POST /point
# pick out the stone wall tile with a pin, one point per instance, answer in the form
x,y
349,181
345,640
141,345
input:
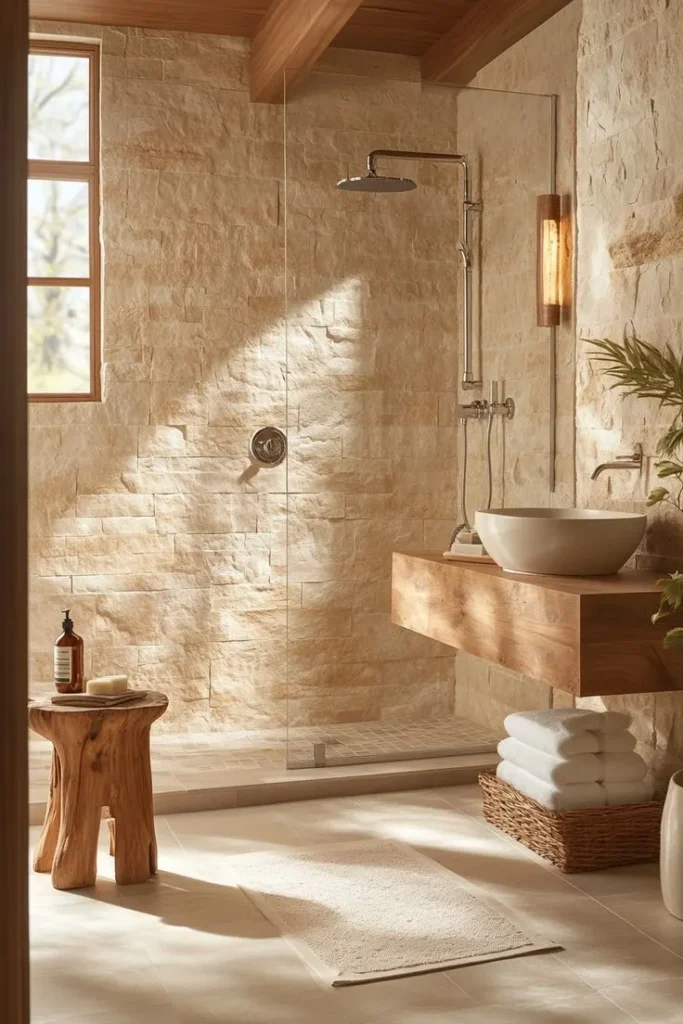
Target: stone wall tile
x,y
318,623
73,527
130,543
127,526
132,582
206,67
125,372
240,408
310,682
120,660
248,563
176,404
161,440
133,563
105,505
95,477
349,705
428,701
127,403
218,199
249,671
50,584
182,680
206,513
252,625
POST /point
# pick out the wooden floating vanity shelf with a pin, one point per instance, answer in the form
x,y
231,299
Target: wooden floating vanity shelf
x,y
588,636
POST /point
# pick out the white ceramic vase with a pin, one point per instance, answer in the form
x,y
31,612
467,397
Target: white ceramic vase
x,y
671,854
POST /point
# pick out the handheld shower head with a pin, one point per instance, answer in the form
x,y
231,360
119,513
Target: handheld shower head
x,y
376,183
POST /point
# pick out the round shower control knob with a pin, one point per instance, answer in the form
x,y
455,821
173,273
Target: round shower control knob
x,y
268,447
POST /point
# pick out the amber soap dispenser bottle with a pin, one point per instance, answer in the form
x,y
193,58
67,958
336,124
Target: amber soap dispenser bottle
x,y
68,654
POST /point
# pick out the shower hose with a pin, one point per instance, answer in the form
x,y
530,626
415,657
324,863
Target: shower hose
x,y
465,523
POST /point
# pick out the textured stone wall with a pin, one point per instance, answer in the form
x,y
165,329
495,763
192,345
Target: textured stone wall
x,y
148,520
630,274
511,136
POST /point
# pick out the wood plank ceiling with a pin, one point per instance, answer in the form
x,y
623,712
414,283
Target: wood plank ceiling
x,y
454,38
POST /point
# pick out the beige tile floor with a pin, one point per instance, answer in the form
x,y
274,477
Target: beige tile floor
x,y
189,948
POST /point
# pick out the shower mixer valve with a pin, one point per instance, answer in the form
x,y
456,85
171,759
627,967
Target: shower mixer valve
x,y
506,408
483,409
476,410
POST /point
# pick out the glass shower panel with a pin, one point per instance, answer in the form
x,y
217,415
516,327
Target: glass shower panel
x,y
375,445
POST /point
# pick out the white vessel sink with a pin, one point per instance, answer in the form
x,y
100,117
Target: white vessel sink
x,y
560,541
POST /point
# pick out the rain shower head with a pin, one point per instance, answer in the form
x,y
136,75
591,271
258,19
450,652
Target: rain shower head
x,y
376,183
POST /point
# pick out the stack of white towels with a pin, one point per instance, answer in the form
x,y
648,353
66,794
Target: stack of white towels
x,y
568,759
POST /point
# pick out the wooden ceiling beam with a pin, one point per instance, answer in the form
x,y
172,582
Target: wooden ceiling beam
x,y
227,17
291,38
484,31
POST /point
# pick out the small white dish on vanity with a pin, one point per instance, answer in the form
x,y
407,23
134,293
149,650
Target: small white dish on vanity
x,y
560,541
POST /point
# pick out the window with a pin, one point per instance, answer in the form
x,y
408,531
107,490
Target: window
x,y
63,222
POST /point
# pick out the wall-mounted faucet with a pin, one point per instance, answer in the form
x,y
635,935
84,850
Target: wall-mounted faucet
x,y
634,461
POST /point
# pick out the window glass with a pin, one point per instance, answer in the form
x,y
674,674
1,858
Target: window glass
x,y
58,92
58,228
58,339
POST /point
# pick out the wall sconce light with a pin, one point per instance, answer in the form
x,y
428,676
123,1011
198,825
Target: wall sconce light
x,y
548,278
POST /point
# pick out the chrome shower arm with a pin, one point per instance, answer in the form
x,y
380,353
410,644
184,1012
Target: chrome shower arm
x,y
410,154
468,207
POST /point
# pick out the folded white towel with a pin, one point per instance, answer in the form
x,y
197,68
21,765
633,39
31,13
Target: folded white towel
x,y
572,770
557,798
629,792
576,719
611,721
567,731
620,768
556,740
556,770
616,742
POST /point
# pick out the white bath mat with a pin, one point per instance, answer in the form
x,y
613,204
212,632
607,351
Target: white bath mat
x,y
372,909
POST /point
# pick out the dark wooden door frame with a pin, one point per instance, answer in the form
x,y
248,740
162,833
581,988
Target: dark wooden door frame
x,y
14,999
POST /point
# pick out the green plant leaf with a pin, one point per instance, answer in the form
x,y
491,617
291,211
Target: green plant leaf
x,y
674,638
672,596
668,468
656,495
642,369
672,440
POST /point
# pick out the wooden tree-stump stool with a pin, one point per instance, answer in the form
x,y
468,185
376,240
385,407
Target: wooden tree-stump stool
x,y
100,759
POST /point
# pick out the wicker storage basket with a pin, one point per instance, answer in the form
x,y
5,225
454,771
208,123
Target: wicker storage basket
x,y
587,840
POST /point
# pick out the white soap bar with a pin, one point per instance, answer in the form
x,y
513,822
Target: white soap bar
x,y
107,685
